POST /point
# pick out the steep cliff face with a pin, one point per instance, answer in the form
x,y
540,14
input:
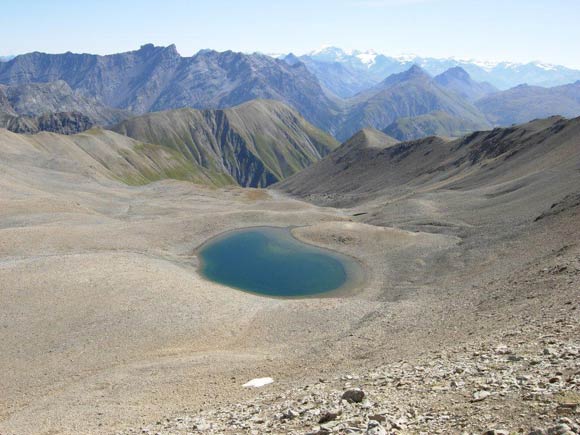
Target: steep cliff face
x,y
257,143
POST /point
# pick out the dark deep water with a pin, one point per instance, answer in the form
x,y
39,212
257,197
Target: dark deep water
x,y
271,262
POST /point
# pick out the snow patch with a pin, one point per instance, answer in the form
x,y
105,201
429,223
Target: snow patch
x,y
368,57
258,382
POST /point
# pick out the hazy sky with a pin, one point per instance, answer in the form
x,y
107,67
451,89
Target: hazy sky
x,y
517,30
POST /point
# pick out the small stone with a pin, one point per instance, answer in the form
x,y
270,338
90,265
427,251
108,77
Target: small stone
x,y
289,414
375,428
378,417
327,416
478,396
354,395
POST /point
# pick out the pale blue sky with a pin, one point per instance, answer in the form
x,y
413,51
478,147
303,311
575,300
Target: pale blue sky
x,y
516,30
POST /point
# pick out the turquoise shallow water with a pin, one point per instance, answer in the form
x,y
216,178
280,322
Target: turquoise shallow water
x,y
271,262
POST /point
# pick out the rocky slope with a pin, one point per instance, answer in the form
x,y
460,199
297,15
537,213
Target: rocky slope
x,y
509,366
508,383
36,99
513,167
467,320
256,144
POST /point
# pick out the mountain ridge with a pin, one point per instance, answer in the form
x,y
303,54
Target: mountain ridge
x,y
256,144
507,166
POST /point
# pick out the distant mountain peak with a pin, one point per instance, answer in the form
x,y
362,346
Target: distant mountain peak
x,y
456,73
329,53
458,80
291,59
415,72
148,49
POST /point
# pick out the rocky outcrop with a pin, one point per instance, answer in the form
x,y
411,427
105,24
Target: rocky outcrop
x,y
61,122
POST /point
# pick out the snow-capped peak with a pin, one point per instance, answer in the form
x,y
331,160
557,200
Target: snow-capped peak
x,y
329,51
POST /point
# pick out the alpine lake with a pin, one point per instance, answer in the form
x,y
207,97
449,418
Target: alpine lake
x,y
269,261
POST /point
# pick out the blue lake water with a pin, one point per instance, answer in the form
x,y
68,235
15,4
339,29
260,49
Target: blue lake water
x,y
271,262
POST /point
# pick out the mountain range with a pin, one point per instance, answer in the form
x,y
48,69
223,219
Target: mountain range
x,y
158,78
327,87
348,72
